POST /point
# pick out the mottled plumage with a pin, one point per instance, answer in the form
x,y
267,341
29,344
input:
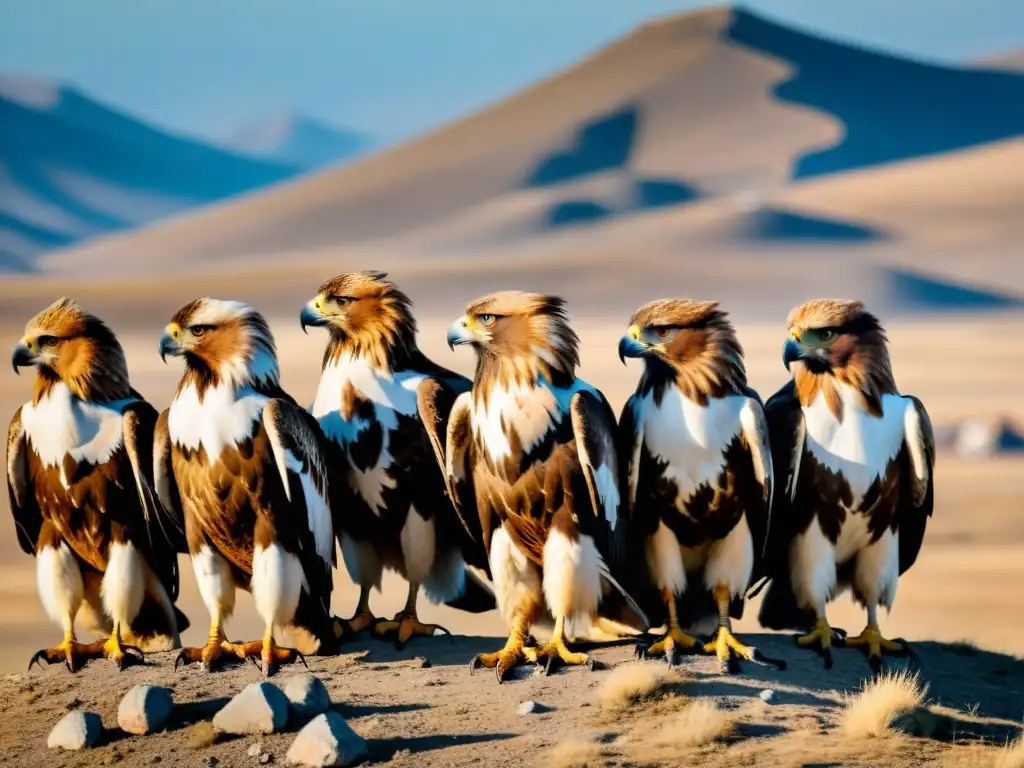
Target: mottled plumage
x,y
381,402
82,490
854,460
250,470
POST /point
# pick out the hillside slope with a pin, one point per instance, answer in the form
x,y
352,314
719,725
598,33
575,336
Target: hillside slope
x,y
71,168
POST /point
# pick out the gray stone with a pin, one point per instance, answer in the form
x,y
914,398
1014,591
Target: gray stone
x,y
527,707
255,749
327,741
259,708
768,696
307,696
145,709
76,730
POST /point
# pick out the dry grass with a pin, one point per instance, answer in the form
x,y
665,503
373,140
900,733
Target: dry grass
x,y
636,682
1012,755
700,722
201,735
573,754
872,711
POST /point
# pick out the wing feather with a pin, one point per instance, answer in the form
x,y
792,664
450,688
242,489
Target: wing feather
x,y
918,492
754,428
28,520
458,457
300,454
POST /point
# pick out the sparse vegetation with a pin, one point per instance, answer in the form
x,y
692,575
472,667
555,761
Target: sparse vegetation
x,y
574,754
700,722
1012,755
201,735
884,699
637,681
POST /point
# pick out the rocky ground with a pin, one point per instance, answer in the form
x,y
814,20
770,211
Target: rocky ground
x,y
422,707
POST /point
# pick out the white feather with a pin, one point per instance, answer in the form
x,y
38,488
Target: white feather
x,y
361,561
689,437
914,432
517,581
860,446
318,510
812,569
877,571
223,418
391,395
124,583
277,583
61,424
608,492
215,581
572,575
665,560
730,561
59,584
447,578
418,544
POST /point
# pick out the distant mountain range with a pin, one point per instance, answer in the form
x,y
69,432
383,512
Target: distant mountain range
x,y
72,168
298,141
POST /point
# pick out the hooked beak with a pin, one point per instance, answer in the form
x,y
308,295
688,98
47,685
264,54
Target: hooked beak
x,y
459,333
21,356
169,345
631,347
791,352
310,315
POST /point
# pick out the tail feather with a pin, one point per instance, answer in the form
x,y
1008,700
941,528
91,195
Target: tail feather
x,y
780,609
619,606
154,629
477,597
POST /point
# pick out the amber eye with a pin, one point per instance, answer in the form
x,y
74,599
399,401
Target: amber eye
x,y
47,342
199,330
662,333
827,335
342,301
486,320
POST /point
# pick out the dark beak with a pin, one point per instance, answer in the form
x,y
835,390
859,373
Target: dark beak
x,y
21,357
791,352
169,346
458,333
630,347
311,316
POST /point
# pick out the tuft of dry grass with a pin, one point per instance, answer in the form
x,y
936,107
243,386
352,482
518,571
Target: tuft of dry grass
x,y
574,754
635,682
889,696
700,722
201,735
1012,755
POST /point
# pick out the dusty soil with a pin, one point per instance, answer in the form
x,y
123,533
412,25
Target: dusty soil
x,y
439,714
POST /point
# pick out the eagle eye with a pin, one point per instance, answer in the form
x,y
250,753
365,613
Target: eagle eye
x,y
662,333
487,320
47,342
199,330
343,301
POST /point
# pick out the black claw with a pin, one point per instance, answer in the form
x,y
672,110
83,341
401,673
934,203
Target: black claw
x,y
497,672
550,666
594,665
178,660
639,651
438,626
268,668
760,658
875,662
671,657
474,664
827,655
530,642
302,659
257,664
37,659
68,662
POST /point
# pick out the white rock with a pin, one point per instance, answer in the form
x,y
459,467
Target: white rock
x,y
76,730
527,708
768,696
327,741
259,708
255,749
307,695
145,709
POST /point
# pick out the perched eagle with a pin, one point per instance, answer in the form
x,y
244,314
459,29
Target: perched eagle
x,y
531,466
376,395
80,478
248,467
854,461
693,447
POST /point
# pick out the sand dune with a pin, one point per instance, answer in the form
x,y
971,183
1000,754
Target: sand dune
x,y
296,141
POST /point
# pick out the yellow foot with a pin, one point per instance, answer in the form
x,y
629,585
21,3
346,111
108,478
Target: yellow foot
x,y
671,645
210,656
728,650
362,620
821,639
502,661
406,626
121,654
556,652
875,646
71,653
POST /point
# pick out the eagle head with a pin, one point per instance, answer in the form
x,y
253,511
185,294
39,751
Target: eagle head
x,y
528,331
66,343
690,341
838,339
222,342
366,315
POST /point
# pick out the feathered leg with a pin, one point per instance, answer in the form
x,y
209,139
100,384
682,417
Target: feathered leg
x,y
364,568
217,588
61,590
874,581
675,640
123,590
812,566
518,592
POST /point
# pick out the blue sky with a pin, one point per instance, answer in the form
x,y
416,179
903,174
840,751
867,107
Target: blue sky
x,y
393,68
